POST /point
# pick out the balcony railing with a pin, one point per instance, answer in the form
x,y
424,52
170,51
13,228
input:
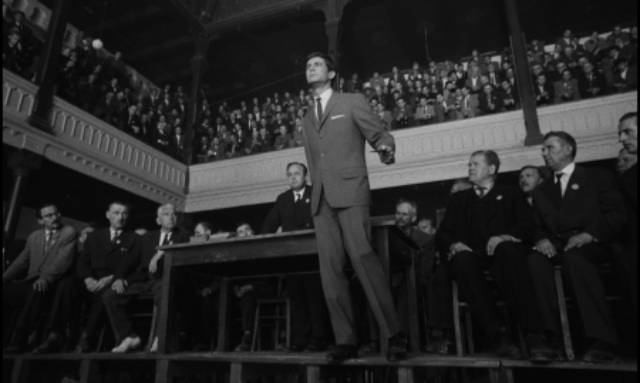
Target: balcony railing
x,y
423,154
89,145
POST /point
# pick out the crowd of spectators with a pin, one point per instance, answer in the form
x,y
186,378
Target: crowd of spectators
x,y
437,92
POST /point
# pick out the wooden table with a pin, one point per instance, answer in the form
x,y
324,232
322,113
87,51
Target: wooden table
x,y
295,246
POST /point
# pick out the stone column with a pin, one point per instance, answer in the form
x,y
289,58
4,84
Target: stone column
x,y
523,76
49,64
198,63
22,163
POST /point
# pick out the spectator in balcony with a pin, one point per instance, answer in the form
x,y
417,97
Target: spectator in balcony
x,y
13,53
424,112
590,82
509,97
176,145
385,116
473,81
489,100
160,137
402,115
625,78
202,149
216,150
440,108
469,105
567,88
282,139
494,77
543,90
566,40
577,238
296,135
454,99
234,148
617,33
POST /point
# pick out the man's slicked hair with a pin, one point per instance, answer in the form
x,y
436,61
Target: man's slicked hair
x,y
331,64
303,166
629,115
566,138
42,206
491,157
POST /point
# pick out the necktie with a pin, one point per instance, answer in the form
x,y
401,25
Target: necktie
x,y
480,191
48,239
559,185
167,240
114,236
319,108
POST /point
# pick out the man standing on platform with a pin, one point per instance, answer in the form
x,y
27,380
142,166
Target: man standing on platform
x,y
309,312
335,131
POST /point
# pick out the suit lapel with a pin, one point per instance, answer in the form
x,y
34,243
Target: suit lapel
x,y
332,102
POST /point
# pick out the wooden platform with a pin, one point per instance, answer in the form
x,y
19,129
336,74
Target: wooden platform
x,y
238,365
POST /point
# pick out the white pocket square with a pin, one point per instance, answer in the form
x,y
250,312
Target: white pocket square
x,y
337,116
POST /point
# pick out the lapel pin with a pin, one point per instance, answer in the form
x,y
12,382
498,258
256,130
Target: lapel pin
x,y
499,197
575,186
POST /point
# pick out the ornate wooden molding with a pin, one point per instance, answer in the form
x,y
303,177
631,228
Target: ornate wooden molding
x,y
424,154
89,145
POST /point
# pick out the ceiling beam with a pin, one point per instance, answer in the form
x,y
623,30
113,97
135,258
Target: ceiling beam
x,y
188,15
128,18
259,14
168,44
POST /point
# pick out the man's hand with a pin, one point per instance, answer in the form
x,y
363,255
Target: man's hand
x,y
104,282
498,239
545,247
578,241
40,285
240,291
91,284
153,264
386,153
456,248
205,291
119,286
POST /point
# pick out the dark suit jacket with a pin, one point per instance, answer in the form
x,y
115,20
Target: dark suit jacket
x,y
288,214
49,265
591,204
586,84
149,247
335,150
509,214
101,257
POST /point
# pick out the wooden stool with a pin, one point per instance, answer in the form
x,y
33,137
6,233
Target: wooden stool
x,y
280,312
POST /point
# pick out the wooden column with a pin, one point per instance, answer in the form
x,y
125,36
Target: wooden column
x,y
49,64
198,62
22,163
523,76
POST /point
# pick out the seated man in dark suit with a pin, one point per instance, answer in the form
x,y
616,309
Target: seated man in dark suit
x,y
577,213
628,181
110,257
47,257
148,278
434,281
310,320
488,227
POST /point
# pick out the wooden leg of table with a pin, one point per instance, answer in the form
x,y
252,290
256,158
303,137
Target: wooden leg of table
x,y
235,374
89,371
164,325
414,331
223,315
163,371
564,317
457,327
20,371
313,374
405,375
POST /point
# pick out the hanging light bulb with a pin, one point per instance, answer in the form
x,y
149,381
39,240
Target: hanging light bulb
x,y
97,44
